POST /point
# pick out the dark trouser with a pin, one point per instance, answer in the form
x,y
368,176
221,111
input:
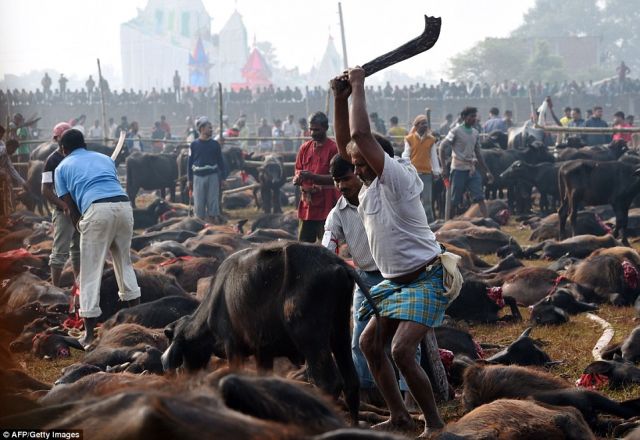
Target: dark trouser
x,y
310,231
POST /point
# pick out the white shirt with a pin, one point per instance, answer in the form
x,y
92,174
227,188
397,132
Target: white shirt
x,y
289,129
394,220
95,132
344,224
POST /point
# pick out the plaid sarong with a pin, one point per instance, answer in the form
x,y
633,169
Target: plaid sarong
x,y
421,301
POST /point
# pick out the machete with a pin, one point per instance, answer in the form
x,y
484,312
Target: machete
x,y
118,148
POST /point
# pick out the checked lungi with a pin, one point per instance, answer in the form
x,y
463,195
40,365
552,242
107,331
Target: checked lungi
x,y
421,301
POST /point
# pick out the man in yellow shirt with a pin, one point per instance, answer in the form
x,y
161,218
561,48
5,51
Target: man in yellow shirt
x,y
419,148
395,132
564,121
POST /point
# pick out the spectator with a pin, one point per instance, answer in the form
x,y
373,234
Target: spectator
x,y
90,84
619,121
289,130
264,131
46,85
622,70
396,130
596,121
312,175
444,128
243,132
276,132
113,128
165,127
134,140
508,119
566,119
95,132
176,87
304,127
124,126
62,85
158,134
206,171
419,147
494,123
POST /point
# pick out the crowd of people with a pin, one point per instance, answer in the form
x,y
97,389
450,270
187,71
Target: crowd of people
x,y
444,90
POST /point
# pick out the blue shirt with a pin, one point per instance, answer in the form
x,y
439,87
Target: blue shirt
x,y
494,124
206,153
87,176
597,139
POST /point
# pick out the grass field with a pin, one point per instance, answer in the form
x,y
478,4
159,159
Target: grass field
x,y
570,343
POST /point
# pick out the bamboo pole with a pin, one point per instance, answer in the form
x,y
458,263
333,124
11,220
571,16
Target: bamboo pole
x,y
105,134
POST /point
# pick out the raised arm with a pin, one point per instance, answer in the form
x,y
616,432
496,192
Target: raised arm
x,y
361,134
341,91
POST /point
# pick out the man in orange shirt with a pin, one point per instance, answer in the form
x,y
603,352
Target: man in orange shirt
x,y
419,147
619,121
319,195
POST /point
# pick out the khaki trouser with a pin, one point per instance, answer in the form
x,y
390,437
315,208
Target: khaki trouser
x,y
105,227
66,240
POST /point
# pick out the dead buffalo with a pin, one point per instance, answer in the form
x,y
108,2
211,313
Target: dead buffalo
x,y
26,288
617,374
579,246
607,278
281,299
153,286
279,400
588,223
597,183
556,308
477,239
477,302
287,221
189,271
154,314
522,351
529,285
518,419
144,218
151,171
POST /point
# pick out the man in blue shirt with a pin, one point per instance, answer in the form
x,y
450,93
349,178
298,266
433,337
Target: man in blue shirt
x,y
495,122
596,121
206,170
88,183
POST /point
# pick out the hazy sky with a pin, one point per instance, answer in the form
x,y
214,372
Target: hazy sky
x,y
68,35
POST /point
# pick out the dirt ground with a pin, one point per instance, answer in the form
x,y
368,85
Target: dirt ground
x,y
570,343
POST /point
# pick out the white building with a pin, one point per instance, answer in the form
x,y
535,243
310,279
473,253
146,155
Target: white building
x,y
330,65
160,39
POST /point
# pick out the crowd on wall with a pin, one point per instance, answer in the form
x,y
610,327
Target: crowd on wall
x,y
444,90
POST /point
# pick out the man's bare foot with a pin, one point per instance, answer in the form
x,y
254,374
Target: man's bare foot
x,y
86,340
403,425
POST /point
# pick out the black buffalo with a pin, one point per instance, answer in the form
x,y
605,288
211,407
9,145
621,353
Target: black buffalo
x,y
544,176
597,183
271,177
151,171
281,299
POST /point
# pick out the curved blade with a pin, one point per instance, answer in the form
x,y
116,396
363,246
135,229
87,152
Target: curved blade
x,y
411,48
116,151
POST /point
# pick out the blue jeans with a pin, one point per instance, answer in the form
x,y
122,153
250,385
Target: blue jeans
x,y
362,368
461,180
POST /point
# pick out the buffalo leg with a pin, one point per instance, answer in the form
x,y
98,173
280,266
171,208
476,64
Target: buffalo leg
x,y
513,306
624,220
573,213
341,347
264,362
275,196
562,216
265,193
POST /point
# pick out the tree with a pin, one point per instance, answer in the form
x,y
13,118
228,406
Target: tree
x,y
543,65
269,53
491,60
550,18
621,33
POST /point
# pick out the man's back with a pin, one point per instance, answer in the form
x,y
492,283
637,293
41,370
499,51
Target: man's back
x,y
88,176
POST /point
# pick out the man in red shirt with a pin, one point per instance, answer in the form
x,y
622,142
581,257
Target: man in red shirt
x,y
319,195
619,121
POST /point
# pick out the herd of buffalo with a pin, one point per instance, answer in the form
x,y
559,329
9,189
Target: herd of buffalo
x,y
246,333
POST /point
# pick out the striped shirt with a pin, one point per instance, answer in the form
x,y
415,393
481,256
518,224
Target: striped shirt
x,y
344,224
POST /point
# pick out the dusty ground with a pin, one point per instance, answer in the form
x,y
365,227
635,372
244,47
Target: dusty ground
x,y
570,343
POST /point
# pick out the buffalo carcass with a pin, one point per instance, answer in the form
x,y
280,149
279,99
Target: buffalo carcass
x,y
151,171
477,302
518,419
607,278
543,176
280,299
597,183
